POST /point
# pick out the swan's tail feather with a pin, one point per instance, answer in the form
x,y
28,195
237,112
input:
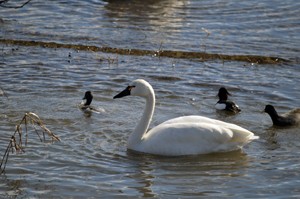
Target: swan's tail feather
x,y
243,137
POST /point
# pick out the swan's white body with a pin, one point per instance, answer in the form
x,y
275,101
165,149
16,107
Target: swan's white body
x,y
188,135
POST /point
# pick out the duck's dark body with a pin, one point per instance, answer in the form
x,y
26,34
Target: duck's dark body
x,y
288,119
224,104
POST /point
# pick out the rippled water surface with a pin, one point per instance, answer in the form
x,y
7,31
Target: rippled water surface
x,y
91,161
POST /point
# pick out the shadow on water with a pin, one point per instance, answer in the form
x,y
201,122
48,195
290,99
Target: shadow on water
x,y
236,158
279,136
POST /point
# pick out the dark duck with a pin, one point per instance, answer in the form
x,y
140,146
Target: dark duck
x,y
86,106
290,118
224,103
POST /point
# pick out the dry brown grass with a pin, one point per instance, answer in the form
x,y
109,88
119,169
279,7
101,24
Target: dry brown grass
x,y
19,139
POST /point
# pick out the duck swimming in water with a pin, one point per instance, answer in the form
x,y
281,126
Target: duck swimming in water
x,y
187,135
86,106
288,119
224,104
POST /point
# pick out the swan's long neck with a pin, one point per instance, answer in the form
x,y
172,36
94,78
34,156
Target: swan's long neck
x,y
143,125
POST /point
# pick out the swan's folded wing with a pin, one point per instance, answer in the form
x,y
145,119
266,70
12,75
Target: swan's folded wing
x,y
205,120
192,138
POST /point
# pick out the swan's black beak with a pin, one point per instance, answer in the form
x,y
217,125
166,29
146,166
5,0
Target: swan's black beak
x,y
124,92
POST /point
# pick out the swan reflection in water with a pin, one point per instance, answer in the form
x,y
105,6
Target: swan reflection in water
x,y
151,172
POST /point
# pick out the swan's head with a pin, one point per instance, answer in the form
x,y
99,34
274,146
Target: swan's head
x,y
223,94
138,87
88,96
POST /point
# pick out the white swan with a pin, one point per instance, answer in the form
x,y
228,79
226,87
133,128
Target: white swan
x,y
187,135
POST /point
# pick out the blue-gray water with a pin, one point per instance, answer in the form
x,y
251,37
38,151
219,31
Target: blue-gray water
x,y
91,161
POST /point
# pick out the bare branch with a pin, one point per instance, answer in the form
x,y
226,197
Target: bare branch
x,y
16,141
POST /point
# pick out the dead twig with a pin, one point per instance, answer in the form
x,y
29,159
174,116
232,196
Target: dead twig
x,y
16,142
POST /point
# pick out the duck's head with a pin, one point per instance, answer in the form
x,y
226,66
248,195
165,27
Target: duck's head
x,y
88,96
138,87
223,94
270,110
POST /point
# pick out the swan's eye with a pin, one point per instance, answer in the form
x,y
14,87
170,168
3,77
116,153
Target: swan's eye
x,y
130,87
